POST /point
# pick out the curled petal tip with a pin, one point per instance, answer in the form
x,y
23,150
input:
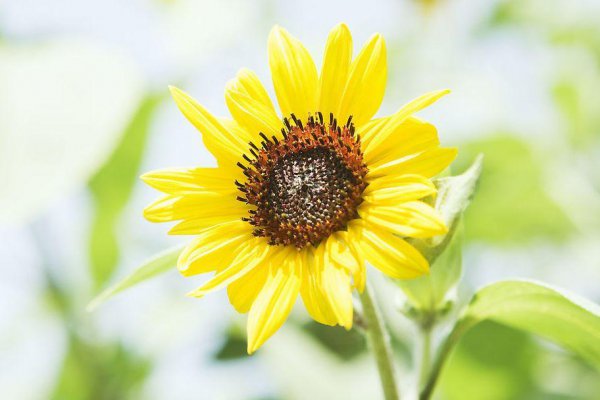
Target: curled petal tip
x,y
342,26
276,30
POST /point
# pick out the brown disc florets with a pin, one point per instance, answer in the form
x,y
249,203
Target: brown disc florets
x,y
305,185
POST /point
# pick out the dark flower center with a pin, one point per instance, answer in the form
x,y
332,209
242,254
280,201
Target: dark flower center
x,y
305,185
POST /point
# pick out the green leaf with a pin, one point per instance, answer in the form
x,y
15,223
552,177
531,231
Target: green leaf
x,y
498,362
554,314
453,197
564,318
234,347
100,371
455,192
575,93
347,345
157,265
429,293
111,189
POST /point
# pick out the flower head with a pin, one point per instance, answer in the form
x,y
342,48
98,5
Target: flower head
x,y
301,199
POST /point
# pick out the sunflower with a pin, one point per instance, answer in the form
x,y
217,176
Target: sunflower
x,y
302,199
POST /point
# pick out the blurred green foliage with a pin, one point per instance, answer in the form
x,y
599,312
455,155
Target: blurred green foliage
x,y
492,362
575,41
234,345
568,22
512,207
92,369
95,369
111,188
495,362
344,344
100,372
557,315
159,264
575,98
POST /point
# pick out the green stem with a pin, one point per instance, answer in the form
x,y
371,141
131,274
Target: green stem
x,y
441,358
425,354
380,344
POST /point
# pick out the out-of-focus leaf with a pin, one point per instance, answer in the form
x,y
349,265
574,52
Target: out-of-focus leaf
x,y
428,293
63,107
527,12
512,206
111,188
344,344
576,94
157,265
497,362
579,35
567,22
561,317
502,14
100,372
234,347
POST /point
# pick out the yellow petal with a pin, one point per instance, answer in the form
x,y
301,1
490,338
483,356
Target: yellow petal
x,y
365,88
311,290
231,168
244,290
203,205
360,274
190,180
166,209
339,247
221,142
336,284
334,72
414,219
336,290
214,248
344,253
294,74
326,285
197,225
396,189
376,141
409,137
352,237
427,163
371,128
248,83
392,255
273,304
250,255
245,99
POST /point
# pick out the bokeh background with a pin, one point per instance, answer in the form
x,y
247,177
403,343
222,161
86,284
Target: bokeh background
x,y
84,109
